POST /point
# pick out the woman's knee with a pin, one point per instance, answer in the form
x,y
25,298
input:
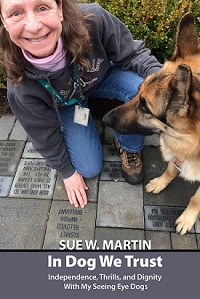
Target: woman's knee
x,y
91,171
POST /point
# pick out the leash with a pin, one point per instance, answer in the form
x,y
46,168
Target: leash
x,y
46,84
177,163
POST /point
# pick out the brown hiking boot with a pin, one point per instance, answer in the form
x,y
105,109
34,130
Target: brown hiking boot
x,y
132,166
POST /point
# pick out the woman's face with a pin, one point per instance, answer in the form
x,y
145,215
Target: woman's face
x,y
33,25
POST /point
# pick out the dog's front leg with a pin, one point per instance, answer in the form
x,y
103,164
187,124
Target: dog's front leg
x,y
160,183
188,218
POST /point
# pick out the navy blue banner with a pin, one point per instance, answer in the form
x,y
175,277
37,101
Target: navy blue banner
x,y
87,274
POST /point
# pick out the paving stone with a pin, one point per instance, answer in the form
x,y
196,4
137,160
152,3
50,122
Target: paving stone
x,y
110,153
159,240
30,152
187,241
6,124
18,132
198,241
115,234
92,192
10,154
197,224
69,223
177,193
22,223
5,184
61,194
33,180
120,205
161,218
111,172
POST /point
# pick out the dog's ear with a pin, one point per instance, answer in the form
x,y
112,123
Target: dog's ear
x,y
180,85
187,40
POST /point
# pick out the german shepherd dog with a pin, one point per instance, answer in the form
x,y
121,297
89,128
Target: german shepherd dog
x,y
168,103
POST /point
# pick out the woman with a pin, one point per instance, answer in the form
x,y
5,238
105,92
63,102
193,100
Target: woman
x,y
56,55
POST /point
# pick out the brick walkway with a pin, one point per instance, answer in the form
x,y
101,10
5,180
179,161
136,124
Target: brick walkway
x,y
35,212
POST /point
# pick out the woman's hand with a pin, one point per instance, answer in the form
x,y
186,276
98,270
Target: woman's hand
x,y
76,187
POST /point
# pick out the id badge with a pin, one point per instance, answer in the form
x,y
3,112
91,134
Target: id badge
x,y
81,115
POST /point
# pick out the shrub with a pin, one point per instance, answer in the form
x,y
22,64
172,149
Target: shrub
x,y
2,81
153,21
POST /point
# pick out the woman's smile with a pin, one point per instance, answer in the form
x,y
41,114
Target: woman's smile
x,y
39,39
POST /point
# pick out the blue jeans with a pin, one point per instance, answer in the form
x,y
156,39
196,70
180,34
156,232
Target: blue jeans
x,y
82,143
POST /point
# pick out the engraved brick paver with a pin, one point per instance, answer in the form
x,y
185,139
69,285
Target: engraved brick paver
x,y
69,223
33,180
110,153
10,154
30,152
161,217
112,171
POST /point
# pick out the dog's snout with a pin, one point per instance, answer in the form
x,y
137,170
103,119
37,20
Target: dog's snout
x,y
114,120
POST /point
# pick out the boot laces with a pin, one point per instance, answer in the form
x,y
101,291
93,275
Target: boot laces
x,y
130,158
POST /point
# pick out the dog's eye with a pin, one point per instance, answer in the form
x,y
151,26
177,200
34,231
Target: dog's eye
x,y
143,105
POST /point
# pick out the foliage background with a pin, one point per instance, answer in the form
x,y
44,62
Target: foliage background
x,y
153,21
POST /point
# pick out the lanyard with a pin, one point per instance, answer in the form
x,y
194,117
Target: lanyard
x,y
59,98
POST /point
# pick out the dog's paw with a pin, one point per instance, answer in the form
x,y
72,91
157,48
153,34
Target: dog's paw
x,y
185,222
155,186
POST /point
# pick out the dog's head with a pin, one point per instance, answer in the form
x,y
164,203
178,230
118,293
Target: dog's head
x,y
168,95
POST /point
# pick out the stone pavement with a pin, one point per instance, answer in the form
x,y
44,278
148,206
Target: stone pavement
x,y
35,212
